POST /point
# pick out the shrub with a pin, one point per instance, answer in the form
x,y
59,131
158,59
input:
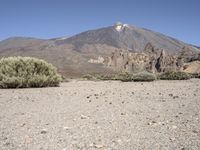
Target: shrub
x,y
174,76
24,72
144,77
196,75
125,77
88,77
122,77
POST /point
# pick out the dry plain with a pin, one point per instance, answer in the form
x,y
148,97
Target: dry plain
x,y
102,115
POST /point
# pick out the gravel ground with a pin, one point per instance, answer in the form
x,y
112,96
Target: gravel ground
x,y
108,115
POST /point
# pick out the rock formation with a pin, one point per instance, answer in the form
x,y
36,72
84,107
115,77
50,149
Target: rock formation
x,y
153,60
128,61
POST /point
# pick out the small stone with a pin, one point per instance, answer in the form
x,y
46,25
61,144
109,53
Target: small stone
x,y
22,125
84,117
172,139
98,146
110,103
66,128
44,131
174,97
153,121
119,141
123,114
174,127
149,123
194,131
28,140
7,144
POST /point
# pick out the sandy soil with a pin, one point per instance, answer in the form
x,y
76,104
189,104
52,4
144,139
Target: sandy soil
x,y
107,115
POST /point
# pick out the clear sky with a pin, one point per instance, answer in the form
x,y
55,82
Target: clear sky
x,y
56,18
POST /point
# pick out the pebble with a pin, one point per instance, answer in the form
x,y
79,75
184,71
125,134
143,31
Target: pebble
x,y
174,127
84,117
44,131
66,128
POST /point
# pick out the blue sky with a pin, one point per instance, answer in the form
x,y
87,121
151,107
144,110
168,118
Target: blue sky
x,y
55,18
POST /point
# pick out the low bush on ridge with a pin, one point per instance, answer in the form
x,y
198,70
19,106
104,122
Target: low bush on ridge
x,y
143,77
125,77
196,75
25,72
172,75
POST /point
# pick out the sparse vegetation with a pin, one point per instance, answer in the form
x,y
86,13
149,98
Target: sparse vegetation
x,y
24,72
125,77
121,76
88,77
144,77
196,75
172,75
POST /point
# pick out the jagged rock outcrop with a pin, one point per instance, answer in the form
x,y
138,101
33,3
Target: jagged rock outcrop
x,y
128,62
153,60
188,55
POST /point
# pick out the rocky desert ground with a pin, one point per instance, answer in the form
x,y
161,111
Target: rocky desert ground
x,y
102,115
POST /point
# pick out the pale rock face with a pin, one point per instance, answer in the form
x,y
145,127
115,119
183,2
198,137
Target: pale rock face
x,y
137,62
99,60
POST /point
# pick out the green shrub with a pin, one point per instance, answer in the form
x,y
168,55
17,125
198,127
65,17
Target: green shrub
x,y
125,77
24,72
89,77
122,77
195,75
144,77
174,76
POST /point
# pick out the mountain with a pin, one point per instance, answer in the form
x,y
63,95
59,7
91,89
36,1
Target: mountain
x,y
124,36
88,52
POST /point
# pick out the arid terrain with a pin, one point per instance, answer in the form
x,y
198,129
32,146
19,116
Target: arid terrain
x,y
109,115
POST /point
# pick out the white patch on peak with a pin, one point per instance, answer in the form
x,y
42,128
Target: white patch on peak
x,y
119,26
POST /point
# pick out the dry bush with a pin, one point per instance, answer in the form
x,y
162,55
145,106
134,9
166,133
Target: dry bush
x,y
172,75
143,77
25,72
